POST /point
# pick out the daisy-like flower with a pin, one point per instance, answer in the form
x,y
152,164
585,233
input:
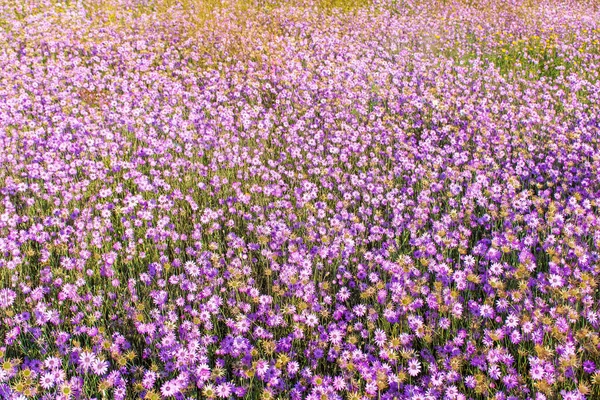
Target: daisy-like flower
x,y
414,367
87,360
486,311
223,390
339,384
312,320
52,363
494,372
515,337
452,392
292,368
371,388
7,297
47,380
496,269
380,337
537,372
100,367
66,391
470,381
589,366
261,368
120,392
335,337
209,391
192,269
169,388
528,327
512,321
59,376
555,280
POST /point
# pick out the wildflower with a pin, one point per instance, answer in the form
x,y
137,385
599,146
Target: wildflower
x,y
47,381
169,388
86,360
7,297
66,391
556,281
312,320
209,391
414,367
380,337
335,337
223,390
537,372
100,367
589,366
292,368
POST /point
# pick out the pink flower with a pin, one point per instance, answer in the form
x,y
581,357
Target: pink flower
x,y
7,298
414,367
223,390
47,380
86,360
169,388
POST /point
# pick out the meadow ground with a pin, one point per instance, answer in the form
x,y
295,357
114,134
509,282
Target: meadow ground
x,y
321,199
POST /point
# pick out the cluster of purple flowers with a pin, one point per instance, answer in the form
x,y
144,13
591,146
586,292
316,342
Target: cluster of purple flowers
x,y
263,201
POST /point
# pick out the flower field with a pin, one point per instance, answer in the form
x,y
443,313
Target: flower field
x,y
317,199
